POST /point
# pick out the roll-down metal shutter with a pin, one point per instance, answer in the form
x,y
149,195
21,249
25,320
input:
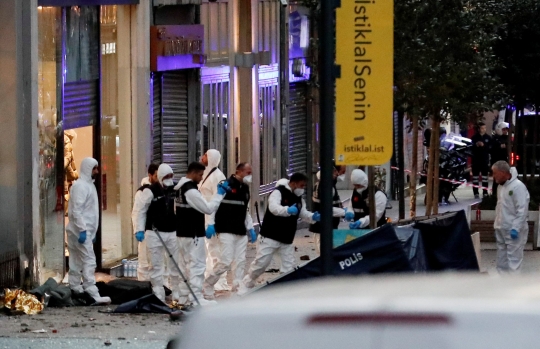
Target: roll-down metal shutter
x,y
156,118
174,121
81,104
298,137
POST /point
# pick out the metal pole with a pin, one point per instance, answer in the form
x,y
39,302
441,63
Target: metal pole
x,y
401,166
371,186
182,275
327,94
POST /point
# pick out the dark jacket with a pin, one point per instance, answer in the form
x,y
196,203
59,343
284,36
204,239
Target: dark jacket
x,y
481,154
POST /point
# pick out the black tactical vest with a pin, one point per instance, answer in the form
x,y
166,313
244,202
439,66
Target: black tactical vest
x,y
361,207
161,211
278,228
231,214
316,207
189,221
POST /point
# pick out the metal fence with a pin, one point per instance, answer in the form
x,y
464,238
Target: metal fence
x,y
10,269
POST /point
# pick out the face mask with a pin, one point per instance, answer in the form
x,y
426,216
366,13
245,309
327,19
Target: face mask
x,y
360,190
299,192
247,179
168,182
341,178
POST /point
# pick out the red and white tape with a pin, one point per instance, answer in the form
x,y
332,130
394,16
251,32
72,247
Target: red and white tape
x,y
445,179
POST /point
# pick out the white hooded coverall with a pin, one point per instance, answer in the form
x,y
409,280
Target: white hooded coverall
x,y
512,212
208,188
268,247
192,251
359,177
144,265
232,257
83,215
156,249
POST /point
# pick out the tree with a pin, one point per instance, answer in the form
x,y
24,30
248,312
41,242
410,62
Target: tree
x,y
444,68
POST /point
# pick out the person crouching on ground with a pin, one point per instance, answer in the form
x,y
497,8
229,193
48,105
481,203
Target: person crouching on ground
x,y
359,203
337,207
285,206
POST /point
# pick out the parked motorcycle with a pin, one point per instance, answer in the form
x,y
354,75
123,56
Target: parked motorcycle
x,y
453,170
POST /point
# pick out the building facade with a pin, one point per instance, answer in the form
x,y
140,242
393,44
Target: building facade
x,y
130,82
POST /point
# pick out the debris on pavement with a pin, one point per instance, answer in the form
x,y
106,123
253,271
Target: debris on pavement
x,y
176,315
304,258
39,331
107,343
272,271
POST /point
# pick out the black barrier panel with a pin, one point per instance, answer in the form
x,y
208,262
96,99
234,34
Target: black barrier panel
x,y
448,244
380,251
413,247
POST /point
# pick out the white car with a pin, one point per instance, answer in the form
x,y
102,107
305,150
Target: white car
x,y
439,311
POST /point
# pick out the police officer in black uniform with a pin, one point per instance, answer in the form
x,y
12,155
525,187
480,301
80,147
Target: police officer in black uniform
x,y
480,160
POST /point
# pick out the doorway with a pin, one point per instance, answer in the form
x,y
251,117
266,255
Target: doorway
x,y
79,99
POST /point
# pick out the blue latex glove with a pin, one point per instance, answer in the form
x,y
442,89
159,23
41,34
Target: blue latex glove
x,y
355,225
514,234
349,216
316,217
292,210
210,231
139,236
82,237
223,188
252,235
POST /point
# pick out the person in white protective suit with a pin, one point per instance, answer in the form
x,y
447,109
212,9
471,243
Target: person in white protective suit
x,y
81,232
143,267
359,203
337,208
285,206
156,216
191,207
234,226
211,177
511,214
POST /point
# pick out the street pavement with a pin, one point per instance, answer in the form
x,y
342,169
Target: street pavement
x,y
87,327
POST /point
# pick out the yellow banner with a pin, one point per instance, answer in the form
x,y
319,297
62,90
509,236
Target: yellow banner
x,y
364,93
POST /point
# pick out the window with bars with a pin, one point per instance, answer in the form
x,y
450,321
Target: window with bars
x,y
214,126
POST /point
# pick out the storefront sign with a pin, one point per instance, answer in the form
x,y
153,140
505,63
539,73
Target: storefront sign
x,y
86,2
176,47
364,92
